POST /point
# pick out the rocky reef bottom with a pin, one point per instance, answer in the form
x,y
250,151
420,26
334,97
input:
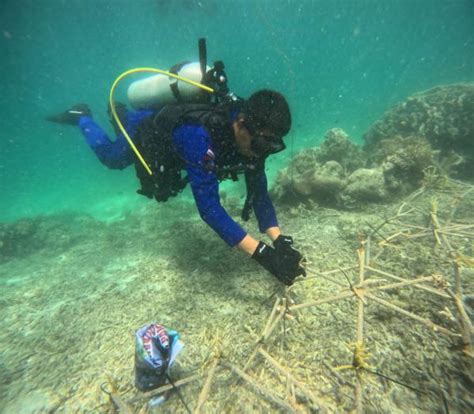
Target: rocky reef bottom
x,y
381,324
430,134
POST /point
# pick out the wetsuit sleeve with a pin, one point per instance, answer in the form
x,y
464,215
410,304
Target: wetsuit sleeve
x,y
113,154
262,204
193,145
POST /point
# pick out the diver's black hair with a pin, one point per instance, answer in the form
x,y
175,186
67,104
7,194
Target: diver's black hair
x,y
268,109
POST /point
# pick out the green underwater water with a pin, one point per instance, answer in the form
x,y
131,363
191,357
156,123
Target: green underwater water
x,y
340,63
85,260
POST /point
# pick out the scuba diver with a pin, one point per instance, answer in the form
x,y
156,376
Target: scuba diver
x,y
211,142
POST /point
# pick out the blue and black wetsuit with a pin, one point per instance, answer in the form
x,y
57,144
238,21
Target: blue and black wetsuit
x,y
201,154
113,154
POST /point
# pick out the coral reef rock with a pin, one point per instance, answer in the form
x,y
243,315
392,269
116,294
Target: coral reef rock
x,y
336,174
431,131
320,174
321,182
403,161
337,146
366,184
443,116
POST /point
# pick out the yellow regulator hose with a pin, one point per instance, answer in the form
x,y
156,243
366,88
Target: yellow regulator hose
x,y
114,112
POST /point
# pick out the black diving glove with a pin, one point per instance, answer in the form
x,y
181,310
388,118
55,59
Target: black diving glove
x,y
283,243
284,247
284,264
71,116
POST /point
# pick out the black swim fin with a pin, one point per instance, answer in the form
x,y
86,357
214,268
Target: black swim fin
x,y
71,116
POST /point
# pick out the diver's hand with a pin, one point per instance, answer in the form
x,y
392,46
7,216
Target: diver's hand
x,y
71,116
282,263
283,243
284,246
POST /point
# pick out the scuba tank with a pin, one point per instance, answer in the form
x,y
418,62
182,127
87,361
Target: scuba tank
x,y
159,90
184,83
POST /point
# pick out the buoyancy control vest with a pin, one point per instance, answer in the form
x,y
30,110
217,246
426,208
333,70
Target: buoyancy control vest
x,y
154,140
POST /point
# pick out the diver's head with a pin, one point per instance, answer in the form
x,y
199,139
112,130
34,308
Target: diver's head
x,y
121,110
265,120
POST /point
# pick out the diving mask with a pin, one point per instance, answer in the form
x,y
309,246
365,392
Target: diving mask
x,y
264,144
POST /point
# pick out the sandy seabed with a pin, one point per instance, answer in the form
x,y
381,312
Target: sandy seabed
x,y
74,290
